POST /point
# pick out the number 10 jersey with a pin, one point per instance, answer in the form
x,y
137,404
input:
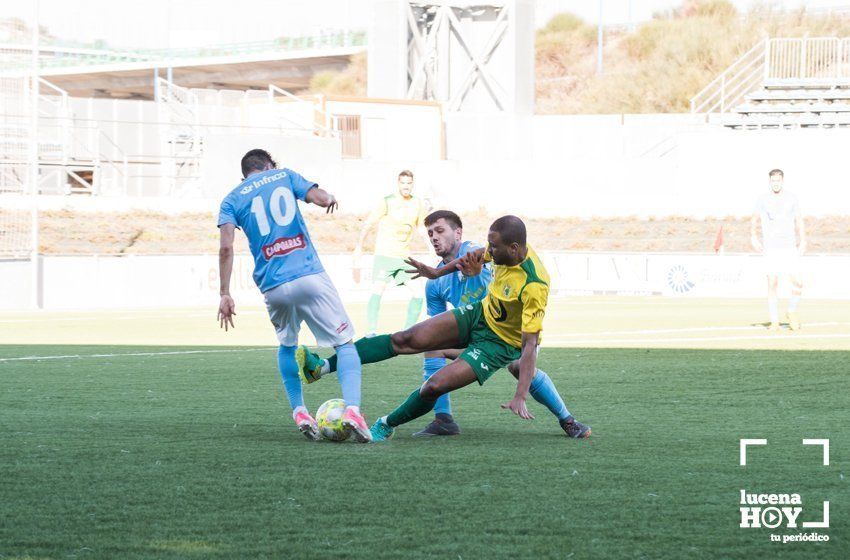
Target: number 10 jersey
x,y
265,207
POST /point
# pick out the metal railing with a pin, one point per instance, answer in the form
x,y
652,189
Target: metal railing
x,y
62,54
730,87
319,121
804,62
808,62
179,106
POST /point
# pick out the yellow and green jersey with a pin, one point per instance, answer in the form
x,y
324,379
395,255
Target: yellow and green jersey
x,y
398,218
516,299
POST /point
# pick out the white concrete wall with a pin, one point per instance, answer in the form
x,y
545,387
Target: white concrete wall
x,y
577,166
395,132
181,281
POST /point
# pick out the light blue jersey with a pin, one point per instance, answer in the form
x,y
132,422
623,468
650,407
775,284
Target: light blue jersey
x,y
455,288
264,207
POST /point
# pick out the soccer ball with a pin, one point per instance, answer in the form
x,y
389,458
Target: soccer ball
x,y
329,418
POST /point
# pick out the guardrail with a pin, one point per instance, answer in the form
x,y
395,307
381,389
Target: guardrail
x,y
777,62
56,55
811,61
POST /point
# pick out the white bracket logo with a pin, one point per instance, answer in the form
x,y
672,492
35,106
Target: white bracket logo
x,y
772,517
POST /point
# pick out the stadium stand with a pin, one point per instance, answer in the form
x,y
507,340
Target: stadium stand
x,y
783,83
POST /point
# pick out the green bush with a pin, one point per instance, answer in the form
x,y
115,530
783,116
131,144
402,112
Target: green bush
x,y
664,62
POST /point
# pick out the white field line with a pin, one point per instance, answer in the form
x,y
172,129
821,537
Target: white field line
x,y
773,336
685,330
126,317
173,353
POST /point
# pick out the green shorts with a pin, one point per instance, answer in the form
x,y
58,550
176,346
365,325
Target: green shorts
x,y
390,269
485,351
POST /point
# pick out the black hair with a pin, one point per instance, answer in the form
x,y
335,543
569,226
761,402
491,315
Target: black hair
x,y
256,160
447,215
511,229
776,172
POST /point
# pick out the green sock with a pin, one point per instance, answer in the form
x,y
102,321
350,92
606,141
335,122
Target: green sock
x,y
372,311
411,409
374,349
414,308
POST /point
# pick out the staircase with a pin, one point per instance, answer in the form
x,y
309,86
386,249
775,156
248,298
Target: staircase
x,y
178,109
782,84
70,159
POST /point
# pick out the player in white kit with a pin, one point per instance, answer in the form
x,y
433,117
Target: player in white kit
x,y
783,241
288,272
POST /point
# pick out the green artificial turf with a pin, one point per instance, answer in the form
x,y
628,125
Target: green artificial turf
x,y
195,456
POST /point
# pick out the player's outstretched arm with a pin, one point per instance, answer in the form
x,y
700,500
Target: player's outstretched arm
x,y
422,270
321,197
527,367
754,239
801,227
226,307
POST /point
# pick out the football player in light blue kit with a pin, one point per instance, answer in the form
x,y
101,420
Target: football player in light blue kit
x,y
467,285
291,277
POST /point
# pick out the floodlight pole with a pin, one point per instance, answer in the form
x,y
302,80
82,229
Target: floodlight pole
x,y
33,161
599,41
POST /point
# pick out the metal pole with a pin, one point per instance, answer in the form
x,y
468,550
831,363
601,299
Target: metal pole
x,y
599,41
156,92
33,153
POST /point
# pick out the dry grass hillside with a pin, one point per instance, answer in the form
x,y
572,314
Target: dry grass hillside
x,y
656,68
150,233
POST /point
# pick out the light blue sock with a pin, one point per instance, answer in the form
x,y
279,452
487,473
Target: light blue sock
x,y
793,302
432,366
544,392
349,373
289,372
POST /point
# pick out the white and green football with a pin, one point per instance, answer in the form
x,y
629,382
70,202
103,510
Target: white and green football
x,y
329,417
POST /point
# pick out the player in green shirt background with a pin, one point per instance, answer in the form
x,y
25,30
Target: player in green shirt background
x,y
399,217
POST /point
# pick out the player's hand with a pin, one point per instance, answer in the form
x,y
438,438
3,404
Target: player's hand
x,y
420,270
517,406
332,205
756,244
471,264
226,312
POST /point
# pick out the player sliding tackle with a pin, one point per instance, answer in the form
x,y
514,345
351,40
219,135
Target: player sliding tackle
x,y
502,329
288,272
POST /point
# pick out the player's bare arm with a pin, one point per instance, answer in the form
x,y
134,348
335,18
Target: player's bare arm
x,y
422,270
323,198
801,230
754,239
527,367
226,307
371,220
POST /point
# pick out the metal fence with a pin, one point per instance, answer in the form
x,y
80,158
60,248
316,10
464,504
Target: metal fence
x,y
811,61
804,62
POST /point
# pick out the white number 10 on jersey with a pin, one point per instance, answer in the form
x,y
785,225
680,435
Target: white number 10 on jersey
x,y
282,208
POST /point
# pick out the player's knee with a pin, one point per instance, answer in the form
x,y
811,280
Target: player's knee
x,y
402,340
513,367
433,388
